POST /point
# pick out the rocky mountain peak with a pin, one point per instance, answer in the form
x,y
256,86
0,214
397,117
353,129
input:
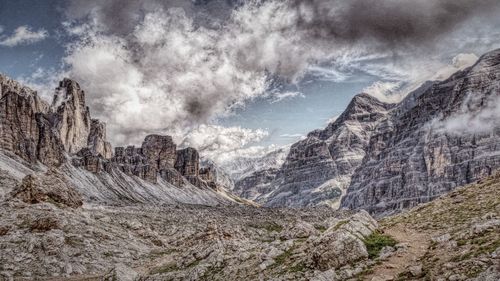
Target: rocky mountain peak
x,y
65,133
363,108
71,116
414,157
160,151
487,62
317,169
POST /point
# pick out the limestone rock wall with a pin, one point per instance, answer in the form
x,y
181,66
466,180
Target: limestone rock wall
x,y
415,156
71,116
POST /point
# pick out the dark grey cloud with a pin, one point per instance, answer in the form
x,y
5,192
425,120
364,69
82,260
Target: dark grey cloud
x,y
122,16
393,22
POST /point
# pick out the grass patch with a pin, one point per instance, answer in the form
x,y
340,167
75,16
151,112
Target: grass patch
x,y
300,267
279,260
340,224
320,228
361,276
165,268
376,241
269,226
211,272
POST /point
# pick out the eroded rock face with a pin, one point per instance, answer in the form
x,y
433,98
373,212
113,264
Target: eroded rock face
x,y
97,139
71,115
19,130
188,162
50,149
415,156
317,169
50,187
213,174
256,184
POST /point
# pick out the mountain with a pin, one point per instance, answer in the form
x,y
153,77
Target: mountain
x,y
36,137
242,167
449,137
388,157
317,169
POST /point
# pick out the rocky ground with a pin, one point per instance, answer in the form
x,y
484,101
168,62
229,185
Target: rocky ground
x,y
46,235
456,237
178,242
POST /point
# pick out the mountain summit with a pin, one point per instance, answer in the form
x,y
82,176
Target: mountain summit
x,y
36,136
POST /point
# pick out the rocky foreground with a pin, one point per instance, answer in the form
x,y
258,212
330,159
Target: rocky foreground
x,y
47,235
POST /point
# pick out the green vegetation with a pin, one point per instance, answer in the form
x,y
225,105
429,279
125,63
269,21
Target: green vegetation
x,y
300,267
340,224
269,226
320,228
212,272
376,241
280,260
165,268
361,276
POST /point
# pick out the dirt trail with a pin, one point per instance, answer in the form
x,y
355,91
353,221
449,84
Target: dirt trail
x,y
417,244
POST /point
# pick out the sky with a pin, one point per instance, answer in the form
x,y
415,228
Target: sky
x,y
238,78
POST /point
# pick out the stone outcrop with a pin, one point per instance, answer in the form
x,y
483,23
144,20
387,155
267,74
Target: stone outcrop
x,y
156,157
71,115
51,187
96,140
428,149
50,149
342,243
215,175
26,127
188,162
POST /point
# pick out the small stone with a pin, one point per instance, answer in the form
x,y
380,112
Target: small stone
x,y
415,270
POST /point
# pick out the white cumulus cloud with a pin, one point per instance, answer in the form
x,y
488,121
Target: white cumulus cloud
x,y
224,143
286,95
384,91
470,121
24,35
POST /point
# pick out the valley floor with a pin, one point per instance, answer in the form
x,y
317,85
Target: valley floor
x,y
456,237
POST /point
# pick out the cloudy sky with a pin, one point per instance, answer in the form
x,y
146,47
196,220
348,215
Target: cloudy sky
x,y
234,77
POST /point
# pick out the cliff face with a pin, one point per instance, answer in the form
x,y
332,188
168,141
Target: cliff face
x,y
97,139
71,116
448,138
25,125
63,135
317,169
390,157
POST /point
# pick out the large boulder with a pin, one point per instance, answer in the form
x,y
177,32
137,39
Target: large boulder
x,y
50,187
342,243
